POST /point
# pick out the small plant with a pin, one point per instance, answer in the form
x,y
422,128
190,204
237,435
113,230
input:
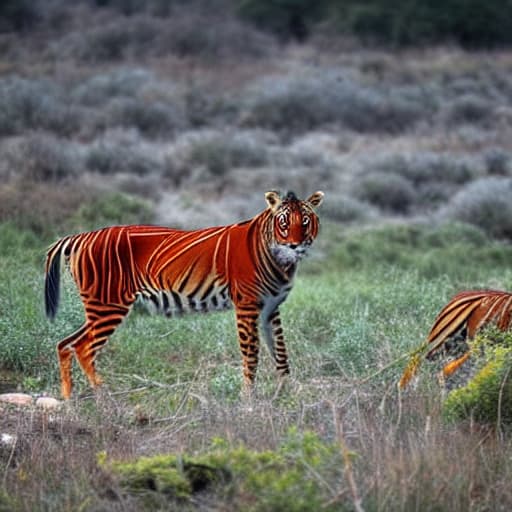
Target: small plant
x,y
487,397
283,479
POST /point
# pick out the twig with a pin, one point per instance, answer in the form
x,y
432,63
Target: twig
x,y
349,474
500,398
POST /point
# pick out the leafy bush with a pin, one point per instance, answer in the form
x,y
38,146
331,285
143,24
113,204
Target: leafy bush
x,y
252,480
486,203
469,23
487,397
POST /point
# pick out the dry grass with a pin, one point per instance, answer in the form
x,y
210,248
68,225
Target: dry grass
x,y
402,456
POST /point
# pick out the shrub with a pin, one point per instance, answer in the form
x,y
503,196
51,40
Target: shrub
x,y
285,479
487,397
341,208
32,104
388,191
215,153
300,104
111,157
486,203
101,88
111,209
41,208
42,158
498,162
471,109
150,118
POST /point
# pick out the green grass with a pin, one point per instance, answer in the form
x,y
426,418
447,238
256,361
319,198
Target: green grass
x,y
363,300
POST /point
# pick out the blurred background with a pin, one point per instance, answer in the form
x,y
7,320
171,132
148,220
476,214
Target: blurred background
x,y
185,112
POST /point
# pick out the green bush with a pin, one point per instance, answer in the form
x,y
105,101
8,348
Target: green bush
x,y
487,397
284,479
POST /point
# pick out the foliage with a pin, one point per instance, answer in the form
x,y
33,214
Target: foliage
x,y
389,191
112,209
255,480
487,397
486,203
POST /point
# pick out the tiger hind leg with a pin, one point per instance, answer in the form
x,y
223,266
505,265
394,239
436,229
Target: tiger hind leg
x,y
101,328
65,354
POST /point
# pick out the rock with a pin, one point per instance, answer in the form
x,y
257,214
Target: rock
x,y
7,439
16,398
48,403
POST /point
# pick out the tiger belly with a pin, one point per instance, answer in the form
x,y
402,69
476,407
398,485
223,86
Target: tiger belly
x,y
173,303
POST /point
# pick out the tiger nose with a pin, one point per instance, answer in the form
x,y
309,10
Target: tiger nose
x,y
292,246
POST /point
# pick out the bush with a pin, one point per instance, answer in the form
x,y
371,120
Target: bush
x,y
112,157
32,104
487,397
300,104
471,109
150,118
41,208
214,153
42,158
388,191
341,208
285,479
486,203
101,88
109,210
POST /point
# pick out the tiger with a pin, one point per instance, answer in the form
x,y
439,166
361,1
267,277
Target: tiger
x,y
249,265
467,313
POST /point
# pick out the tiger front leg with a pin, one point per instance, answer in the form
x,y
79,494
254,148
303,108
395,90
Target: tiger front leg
x,y
247,327
273,331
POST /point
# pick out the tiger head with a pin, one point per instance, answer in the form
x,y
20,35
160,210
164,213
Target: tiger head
x,y
294,225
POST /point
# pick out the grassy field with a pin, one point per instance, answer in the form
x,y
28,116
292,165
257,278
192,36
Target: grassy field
x,y
338,436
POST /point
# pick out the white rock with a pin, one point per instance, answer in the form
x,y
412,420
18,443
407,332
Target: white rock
x,y
47,402
16,398
7,439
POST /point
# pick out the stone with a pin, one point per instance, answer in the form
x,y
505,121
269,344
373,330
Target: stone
x,y
16,398
47,402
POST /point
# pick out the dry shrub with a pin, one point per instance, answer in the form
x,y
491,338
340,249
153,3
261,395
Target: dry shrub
x,y
39,207
486,203
42,158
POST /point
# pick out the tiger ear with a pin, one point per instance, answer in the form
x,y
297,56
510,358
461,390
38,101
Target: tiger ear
x,y
273,200
316,199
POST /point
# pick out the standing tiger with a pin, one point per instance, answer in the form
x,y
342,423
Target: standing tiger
x,y
250,265
465,314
